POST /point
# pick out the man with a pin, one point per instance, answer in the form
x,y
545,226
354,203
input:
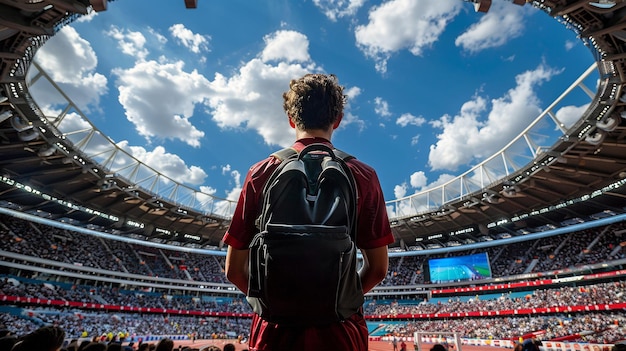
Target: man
x,y
46,338
314,107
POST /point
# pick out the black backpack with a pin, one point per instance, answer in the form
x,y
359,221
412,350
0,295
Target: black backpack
x,y
303,260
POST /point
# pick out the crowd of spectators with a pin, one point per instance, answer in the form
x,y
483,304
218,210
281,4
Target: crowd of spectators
x,y
606,327
129,326
535,255
592,327
586,295
54,338
118,297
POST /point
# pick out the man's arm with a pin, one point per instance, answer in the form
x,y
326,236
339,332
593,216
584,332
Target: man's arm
x,y
374,270
237,268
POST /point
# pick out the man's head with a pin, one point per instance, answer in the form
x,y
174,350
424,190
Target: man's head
x,y
620,346
314,102
47,338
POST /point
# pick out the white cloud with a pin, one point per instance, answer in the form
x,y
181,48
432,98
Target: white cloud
x,y
225,169
415,140
568,115
404,24
465,137
226,208
334,9
169,164
286,45
570,44
159,99
196,43
442,179
350,118
399,191
408,118
503,22
71,62
160,38
252,97
208,190
381,107
130,43
87,18
413,205
418,179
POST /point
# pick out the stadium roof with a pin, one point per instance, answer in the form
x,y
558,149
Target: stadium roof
x,y
42,172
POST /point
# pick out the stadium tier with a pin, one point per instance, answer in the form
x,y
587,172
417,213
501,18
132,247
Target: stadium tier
x,y
535,248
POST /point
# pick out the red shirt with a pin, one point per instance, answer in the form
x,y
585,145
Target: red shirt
x,y
372,231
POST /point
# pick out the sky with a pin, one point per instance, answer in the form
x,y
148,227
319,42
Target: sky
x,y
433,86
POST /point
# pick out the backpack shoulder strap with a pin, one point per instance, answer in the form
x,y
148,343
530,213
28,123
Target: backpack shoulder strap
x,y
343,155
280,155
285,153
290,152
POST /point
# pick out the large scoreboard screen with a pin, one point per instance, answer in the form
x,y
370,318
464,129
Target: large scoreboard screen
x,y
459,268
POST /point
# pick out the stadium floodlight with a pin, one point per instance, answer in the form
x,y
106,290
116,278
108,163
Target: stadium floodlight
x,y
19,124
492,197
510,190
596,138
46,152
609,124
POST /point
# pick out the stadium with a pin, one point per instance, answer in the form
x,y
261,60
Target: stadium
x,y
527,244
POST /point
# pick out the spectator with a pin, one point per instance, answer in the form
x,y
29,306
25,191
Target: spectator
x,y
95,346
619,347
7,342
48,338
165,344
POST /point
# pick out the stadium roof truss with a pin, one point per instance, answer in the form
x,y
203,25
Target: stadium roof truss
x,y
74,175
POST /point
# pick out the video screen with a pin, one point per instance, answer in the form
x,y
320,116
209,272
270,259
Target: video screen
x,y
460,268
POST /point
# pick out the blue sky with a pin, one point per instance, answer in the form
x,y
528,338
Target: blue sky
x,y
434,87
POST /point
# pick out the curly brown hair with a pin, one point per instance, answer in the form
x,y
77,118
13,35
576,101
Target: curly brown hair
x,y
314,101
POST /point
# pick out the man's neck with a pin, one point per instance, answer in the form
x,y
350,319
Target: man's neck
x,y
314,133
